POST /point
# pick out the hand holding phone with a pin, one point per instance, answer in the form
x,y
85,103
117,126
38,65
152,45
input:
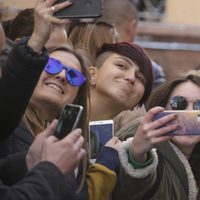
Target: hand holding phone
x,y
188,121
100,132
68,120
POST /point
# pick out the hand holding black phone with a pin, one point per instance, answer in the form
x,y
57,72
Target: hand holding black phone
x,y
68,120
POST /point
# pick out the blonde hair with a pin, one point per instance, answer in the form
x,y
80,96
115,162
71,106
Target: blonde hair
x,y
91,36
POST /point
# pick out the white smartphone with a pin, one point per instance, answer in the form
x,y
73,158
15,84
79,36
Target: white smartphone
x,y
68,120
188,121
100,132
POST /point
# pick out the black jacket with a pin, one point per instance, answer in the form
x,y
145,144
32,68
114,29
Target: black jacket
x,y
20,141
19,78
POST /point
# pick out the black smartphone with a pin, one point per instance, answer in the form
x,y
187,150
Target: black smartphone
x,y
68,120
188,121
80,9
100,132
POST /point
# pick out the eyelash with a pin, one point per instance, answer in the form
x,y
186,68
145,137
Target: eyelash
x,y
140,78
121,66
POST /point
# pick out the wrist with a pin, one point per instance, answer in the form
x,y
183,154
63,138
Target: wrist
x,y
36,43
137,164
137,156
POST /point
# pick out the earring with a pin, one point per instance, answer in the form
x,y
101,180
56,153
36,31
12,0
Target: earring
x,y
93,84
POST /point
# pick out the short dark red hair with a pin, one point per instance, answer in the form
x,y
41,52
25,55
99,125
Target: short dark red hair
x,y
138,56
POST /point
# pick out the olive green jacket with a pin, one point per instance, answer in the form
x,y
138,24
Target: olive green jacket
x,y
176,183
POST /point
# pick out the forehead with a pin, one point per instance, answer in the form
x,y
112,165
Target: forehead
x,y
67,58
187,89
121,58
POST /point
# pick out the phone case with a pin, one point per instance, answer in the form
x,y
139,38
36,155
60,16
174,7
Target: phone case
x,y
100,132
80,9
189,122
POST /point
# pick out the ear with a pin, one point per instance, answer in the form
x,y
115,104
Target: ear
x,y
132,29
93,73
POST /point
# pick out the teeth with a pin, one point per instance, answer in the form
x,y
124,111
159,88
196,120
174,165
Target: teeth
x,y
55,87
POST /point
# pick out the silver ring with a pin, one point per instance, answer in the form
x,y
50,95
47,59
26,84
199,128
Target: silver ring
x,y
53,8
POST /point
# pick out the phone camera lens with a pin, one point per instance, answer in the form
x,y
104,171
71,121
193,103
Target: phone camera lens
x,y
88,3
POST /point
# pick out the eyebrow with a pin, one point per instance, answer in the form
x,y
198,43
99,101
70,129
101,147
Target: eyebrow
x,y
130,62
126,59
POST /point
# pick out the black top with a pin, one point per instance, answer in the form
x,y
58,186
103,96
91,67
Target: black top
x,y
19,78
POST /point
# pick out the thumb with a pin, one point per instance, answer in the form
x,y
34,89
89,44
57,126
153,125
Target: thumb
x,y
51,128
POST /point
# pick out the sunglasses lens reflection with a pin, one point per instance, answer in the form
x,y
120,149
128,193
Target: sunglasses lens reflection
x,y
75,78
53,67
178,103
197,105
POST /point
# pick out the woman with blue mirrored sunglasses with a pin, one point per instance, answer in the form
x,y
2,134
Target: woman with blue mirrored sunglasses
x,y
56,88
73,76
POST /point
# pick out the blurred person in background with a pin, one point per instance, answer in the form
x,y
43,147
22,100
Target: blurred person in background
x,y
91,36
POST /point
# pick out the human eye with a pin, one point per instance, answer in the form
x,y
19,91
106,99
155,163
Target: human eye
x,y
141,78
121,66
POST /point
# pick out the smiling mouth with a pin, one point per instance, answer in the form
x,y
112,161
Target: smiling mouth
x,y
56,87
128,87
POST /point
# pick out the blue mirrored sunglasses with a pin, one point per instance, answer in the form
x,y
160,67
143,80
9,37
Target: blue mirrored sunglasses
x,y
73,76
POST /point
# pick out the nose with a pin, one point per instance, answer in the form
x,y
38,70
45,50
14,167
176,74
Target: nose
x,y
130,76
190,106
61,76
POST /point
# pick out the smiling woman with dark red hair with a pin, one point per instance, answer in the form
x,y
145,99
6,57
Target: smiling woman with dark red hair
x,y
121,79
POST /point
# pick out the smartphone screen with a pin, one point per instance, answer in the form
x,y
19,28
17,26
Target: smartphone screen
x,y
187,120
80,9
68,120
100,133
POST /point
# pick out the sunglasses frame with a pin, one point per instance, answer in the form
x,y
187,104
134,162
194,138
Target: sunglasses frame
x,y
184,101
68,77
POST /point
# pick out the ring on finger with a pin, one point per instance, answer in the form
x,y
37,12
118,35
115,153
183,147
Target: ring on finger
x,y
53,8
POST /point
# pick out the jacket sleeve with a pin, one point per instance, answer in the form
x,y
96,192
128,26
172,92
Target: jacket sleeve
x,y
43,182
13,168
134,183
17,83
102,175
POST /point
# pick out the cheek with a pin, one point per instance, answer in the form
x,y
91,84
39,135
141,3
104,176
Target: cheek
x,y
71,95
141,90
43,76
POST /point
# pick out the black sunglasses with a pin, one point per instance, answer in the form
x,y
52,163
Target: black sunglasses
x,y
180,103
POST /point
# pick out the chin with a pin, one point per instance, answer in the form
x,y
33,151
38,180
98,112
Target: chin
x,y
186,140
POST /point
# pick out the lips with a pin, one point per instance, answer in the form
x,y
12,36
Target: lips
x,y
55,86
127,86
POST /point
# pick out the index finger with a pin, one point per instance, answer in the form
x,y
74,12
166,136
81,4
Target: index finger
x,y
151,113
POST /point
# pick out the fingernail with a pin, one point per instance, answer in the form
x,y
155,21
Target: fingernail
x,y
178,127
